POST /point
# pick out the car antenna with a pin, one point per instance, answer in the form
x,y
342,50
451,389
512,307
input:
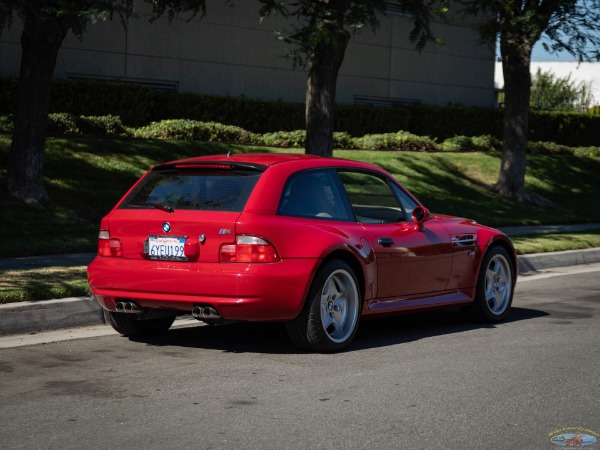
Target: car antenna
x,y
229,154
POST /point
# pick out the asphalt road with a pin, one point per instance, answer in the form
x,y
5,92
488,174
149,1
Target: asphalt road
x,y
422,381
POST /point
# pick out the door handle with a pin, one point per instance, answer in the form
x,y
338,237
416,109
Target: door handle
x,y
385,241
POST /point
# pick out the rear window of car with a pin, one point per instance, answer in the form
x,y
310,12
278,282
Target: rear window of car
x,y
205,190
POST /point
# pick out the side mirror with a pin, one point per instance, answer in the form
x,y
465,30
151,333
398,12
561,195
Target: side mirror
x,y
419,215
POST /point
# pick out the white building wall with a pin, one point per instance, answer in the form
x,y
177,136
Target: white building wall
x,y
230,53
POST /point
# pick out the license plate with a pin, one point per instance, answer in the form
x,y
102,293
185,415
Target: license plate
x,y
166,247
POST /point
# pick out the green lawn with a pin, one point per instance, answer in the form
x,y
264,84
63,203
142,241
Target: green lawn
x,y
43,283
85,177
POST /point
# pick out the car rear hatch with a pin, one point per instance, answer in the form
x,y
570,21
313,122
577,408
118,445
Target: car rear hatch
x,y
181,212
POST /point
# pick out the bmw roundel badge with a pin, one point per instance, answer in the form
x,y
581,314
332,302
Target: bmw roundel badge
x,y
166,227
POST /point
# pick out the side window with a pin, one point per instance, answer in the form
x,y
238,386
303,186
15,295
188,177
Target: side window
x,y
371,198
314,194
407,202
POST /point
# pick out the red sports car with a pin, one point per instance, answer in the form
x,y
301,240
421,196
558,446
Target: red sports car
x,y
318,243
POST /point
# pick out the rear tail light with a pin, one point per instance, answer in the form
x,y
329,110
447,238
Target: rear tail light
x,y
249,249
108,246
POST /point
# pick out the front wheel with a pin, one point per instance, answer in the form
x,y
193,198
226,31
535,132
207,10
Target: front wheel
x,y
132,326
495,287
330,316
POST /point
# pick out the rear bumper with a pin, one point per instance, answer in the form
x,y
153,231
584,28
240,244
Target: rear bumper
x,y
254,292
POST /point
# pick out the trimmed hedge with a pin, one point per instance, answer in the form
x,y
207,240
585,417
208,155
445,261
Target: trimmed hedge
x,y
184,129
472,144
400,141
70,124
137,106
254,115
445,122
131,102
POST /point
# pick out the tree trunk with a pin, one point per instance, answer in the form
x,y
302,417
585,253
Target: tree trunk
x,y
40,42
516,60
324,65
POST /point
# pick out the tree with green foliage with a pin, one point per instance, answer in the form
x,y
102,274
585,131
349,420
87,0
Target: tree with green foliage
x,y
45,26
561,26
554,93
319,35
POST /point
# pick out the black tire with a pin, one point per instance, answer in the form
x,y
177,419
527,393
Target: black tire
x,y
495,287
330,317
132,326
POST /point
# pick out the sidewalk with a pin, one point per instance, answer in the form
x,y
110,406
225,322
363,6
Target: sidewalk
x,y
35,316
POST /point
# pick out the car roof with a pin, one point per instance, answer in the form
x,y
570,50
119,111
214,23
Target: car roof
x,y
262,159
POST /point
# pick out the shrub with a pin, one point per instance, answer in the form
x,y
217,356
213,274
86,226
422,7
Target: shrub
x,y
548,148
6,124
361,120
63,123
131,102
567,128
137,106
70,124
343,140
9,88
471,144
255,115
183,129
291,139
446,122
400,141
103,126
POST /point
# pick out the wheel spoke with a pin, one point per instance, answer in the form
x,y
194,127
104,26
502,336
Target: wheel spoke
x,y
337,289
502,276
326,293
328,319
492,299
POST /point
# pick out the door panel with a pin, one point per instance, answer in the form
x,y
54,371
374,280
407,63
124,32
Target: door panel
x,y
410,261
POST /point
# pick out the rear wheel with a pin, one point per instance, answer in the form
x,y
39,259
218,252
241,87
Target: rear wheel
x,y
330,316
495,287
132,326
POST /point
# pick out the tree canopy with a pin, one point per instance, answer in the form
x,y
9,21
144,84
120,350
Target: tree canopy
x,y
319,33
45,26
561,25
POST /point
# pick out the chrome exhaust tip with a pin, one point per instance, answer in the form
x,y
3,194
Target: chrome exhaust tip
x,y
128,307
197,312
205,312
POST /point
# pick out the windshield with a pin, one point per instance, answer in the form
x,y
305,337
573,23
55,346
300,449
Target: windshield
x,y
170,190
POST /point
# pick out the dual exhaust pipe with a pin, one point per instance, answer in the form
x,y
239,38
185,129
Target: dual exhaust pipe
x,y
128,307
205,312
199,312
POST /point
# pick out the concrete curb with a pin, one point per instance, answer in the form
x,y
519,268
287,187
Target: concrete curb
x,y
29,317
540,261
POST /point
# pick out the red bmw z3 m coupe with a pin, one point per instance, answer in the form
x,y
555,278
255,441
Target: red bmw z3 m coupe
x,y
317,243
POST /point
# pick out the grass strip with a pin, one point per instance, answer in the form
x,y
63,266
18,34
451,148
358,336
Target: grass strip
x,y
556,242
43,283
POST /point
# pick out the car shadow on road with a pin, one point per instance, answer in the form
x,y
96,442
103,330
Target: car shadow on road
x,y
271,338
412,327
